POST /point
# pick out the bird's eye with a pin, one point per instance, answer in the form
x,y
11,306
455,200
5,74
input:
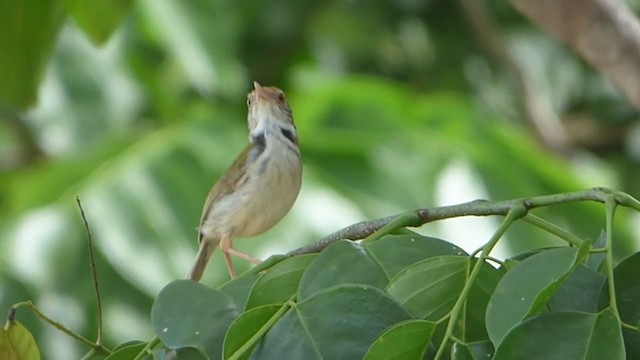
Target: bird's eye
x,y
281,96
248,101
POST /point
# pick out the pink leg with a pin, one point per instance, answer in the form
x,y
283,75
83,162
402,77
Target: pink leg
x,y
228,250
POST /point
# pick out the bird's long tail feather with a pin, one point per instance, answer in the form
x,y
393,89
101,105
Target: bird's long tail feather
x,y
202,259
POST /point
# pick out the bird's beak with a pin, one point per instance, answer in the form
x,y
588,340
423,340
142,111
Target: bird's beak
x,y
261,95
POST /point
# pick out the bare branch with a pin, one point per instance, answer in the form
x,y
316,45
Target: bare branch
x,y
474,208
94,273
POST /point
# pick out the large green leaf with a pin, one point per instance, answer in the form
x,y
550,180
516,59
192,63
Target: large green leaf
x,y
396,252
98,18
580,292
406,340
429,288
236,342
337,323
29,30
524,290
564,335
472,325
188,314
240,288
281,281
344,262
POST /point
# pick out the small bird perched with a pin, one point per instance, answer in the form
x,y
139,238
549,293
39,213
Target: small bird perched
x,y
259,187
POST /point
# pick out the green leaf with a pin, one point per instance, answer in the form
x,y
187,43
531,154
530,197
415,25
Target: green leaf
x,y
405,340
239,289
244,327
429,288
188,314
98,18
595,260
628,300
473,323
396,252
525,290
564,335
344,262
478,350
278,283
127,352
17,343
579,292
337,323
29,30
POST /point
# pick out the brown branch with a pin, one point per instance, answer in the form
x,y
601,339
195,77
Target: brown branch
x,y
94,273
605,33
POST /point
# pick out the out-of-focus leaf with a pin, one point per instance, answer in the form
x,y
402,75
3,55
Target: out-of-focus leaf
x,y
188,314
330,324
405,340
341,263
17,343
98,18
564,335
429,288
29,30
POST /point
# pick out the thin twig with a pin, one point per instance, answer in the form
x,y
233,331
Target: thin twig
x,y
94,273
474,208
99,348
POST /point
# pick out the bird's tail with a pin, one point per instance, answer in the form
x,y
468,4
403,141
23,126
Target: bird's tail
x,y
202,259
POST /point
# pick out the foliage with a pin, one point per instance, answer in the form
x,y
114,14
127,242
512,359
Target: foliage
x,y
406,297
137,107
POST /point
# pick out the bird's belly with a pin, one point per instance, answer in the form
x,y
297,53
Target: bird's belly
x,y
266,197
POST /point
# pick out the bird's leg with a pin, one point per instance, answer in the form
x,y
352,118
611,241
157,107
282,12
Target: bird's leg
x,y
227,250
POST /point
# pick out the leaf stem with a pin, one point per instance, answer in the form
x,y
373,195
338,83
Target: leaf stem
x,y
150,345
513,215
610,210
99,348
553,229
401,221
263,330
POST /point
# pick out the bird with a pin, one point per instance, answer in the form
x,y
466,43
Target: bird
x,y
260,186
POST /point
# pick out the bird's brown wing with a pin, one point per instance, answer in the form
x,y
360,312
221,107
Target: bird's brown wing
x,y
230,182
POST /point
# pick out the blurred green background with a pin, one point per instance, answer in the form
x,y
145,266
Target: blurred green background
x,y
138,107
